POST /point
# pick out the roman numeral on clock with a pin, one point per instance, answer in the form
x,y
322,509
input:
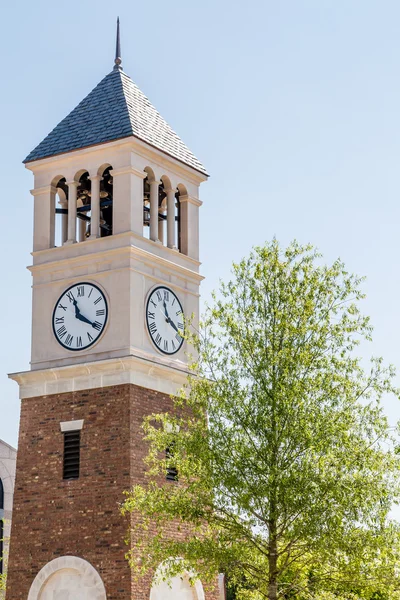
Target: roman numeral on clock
x,y
59,320
96,325
61,331
100,312
68,340
159,295
158,339
153,328
70,296
166,345
89,337
97,300
79,342
81,290
63,307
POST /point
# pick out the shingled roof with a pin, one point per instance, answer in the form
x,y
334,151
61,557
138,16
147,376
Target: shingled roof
x,y
114,109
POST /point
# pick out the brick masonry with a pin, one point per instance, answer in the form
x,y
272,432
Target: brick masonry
x,y
53,517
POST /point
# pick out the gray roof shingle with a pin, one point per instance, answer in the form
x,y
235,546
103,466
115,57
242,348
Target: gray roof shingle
x,y
114,109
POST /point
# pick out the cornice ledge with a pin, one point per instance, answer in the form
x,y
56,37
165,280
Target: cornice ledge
x,y
105,255
46,189
190,200
132,369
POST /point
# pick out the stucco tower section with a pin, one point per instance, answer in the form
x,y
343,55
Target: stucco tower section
x,y
116,214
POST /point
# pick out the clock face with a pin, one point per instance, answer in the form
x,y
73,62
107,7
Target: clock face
x,y
80,316
164,318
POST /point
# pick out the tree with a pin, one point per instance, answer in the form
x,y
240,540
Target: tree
x,y
287,467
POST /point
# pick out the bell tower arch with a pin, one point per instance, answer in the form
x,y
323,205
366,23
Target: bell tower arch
x,y
115,269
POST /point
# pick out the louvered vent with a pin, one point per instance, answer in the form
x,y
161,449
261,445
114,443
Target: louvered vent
x,y
72,445
172,472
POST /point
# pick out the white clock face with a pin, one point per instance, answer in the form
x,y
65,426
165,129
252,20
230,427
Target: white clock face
x,y
165,320
80,316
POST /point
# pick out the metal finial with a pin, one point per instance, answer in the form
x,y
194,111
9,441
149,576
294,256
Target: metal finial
x,y
118,60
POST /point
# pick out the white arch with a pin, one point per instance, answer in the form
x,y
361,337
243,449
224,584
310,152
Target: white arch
x,y
176,588
90,577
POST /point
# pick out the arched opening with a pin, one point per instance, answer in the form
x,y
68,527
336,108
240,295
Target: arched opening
x,y
178,217
162,214
178,587
106,201
69,577
83,207
146,202
61,211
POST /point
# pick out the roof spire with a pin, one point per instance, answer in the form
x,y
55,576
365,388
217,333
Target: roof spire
x,y
118,60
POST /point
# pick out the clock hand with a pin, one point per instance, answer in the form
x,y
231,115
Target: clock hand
x,y
79,316
77,311
83,319
168,320
173,325
166,311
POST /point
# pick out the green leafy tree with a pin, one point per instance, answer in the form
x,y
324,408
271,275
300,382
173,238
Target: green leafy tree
x,y
287,465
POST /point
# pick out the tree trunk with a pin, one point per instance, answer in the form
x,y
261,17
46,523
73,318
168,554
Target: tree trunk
x,y
272,562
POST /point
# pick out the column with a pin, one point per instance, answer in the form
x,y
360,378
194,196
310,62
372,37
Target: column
x,y
64,221
44,217
95,204
82,230
171,219
128,200
161,225
190,225
72,188
154,187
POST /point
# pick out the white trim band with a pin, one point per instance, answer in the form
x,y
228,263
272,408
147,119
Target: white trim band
x,y
71,425
137,370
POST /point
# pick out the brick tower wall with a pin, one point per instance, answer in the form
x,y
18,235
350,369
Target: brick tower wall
x,y
53,517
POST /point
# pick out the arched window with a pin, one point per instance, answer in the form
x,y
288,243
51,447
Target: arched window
x,y
1,525
83,209
178,221
61,210
106,202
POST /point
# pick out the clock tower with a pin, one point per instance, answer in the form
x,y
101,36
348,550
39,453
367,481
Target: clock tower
x,y
115,270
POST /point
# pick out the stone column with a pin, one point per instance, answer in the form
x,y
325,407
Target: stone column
x,y
154,187
72,188
128,200
161,225
171,243
82,230
95,203
44,218
190,225
63,202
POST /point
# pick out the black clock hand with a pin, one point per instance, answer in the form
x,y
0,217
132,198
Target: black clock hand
x,y
79,316
83,319
173,325
77,311
166,311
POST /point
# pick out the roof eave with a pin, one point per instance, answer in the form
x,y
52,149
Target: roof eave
x,y
50,156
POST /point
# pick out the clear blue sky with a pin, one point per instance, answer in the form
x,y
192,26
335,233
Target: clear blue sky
x,y
293,106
